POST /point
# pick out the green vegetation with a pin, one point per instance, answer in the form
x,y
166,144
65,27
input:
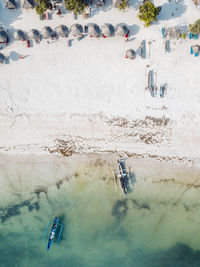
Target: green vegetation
x,y
184,35
77,6
195,28
42,6
123,5
148,12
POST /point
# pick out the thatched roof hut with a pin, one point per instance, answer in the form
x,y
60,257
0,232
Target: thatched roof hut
x,y
19,35
47,32
34,34
122,30
29,4
76,29
62,31
107,30
130,53
11,4
2,58
94,30
3,37
196,48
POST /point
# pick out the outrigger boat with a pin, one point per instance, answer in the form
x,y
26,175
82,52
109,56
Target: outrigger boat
x,y
123,176
54,228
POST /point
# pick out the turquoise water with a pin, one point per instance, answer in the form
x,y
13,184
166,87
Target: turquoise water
x,y
157,224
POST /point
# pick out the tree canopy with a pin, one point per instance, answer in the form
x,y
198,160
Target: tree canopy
x,y
77,6
42,6
195,28
148,12
123,4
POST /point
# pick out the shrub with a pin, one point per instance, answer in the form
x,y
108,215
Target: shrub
x,y
184,35
195,28
123,5
148,12
77,6
42,6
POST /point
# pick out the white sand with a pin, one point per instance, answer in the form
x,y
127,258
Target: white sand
x,y
73,94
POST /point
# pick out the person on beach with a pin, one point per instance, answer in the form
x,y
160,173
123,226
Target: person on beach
x,y
126,36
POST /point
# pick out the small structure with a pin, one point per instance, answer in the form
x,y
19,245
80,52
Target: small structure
x,y
76,29
94,30
34,34
87,12
47,32
107,30
196,49
122,30
11,4
3,37
19,35
29,4
130,53
172,33
2,58
62,31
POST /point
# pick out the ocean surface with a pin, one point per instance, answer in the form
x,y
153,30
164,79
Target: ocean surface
x,y
157,224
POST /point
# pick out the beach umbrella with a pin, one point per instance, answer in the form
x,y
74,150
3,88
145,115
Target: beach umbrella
x,y
195,48
94,30
34,34
122,30
28,4
76,29
2,58
11,4
47,32
19,35
3,37
130,53
107,30
62,31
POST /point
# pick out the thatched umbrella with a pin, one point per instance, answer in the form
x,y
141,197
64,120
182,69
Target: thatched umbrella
x,y
122,30
94,30
76,29
196,48
11,4
2,58
34,34
19,35
3,37
28,4
107,30
130,53
62,30
47,32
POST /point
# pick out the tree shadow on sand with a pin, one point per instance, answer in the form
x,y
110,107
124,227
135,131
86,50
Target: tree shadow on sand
x,y
172,10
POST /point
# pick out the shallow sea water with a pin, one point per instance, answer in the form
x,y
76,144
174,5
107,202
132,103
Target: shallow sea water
x,y
156,225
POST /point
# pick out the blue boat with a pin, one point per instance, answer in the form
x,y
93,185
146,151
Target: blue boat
x,y
54,228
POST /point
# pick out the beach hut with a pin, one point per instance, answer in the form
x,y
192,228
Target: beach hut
x,y
34,34
94,30
2,58
122,30
107,30
19,35
62,31
196,49
3,37
11,4
76,29
130,53
28,4
47,32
